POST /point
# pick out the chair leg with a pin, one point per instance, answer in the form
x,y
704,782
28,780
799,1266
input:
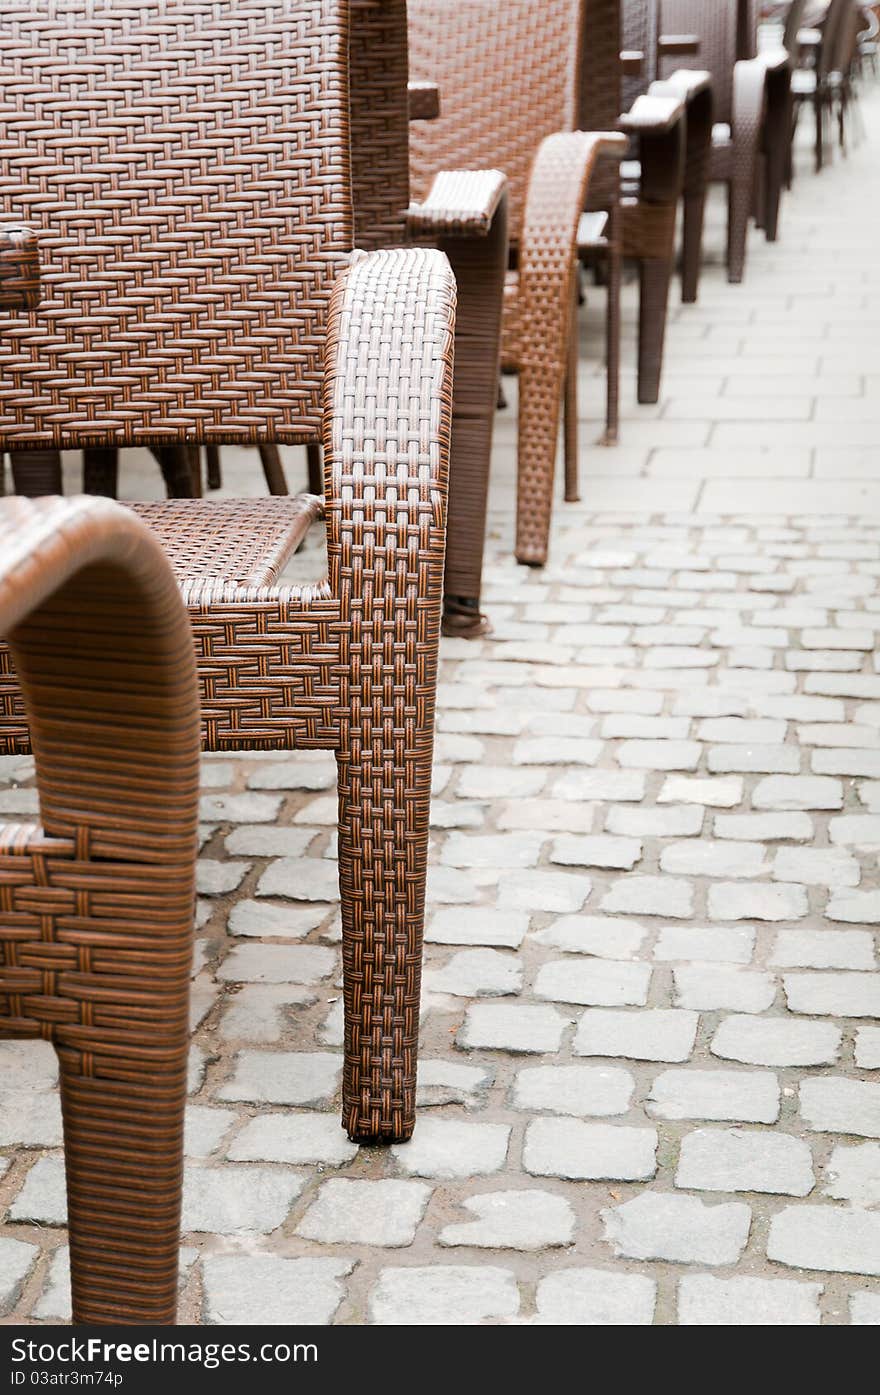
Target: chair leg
x,y
123,1151
101,472
819,114
270,459
739,203
612,340
315,467
570,409
213,471
655,274
176,467
540,400
480,268
36,472
692,244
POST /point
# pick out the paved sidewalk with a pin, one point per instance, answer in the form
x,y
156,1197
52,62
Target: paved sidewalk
x,y
650,1054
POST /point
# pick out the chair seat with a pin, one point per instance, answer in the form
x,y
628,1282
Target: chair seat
x,y
243,541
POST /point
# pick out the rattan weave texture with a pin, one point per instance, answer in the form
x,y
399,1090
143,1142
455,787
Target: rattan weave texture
x,y
182,163
349,665
96,904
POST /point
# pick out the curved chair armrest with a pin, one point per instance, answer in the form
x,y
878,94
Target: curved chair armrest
x,y
684,83
387,423
558,184
653,115
557,193
387,412
774,59
459,201
678,46
749,100
103,651
424,101
19,268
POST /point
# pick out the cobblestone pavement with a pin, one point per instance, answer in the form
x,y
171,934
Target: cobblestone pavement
x,y
649,1086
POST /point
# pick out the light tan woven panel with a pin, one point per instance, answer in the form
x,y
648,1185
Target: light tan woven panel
x,y
506,79
185,163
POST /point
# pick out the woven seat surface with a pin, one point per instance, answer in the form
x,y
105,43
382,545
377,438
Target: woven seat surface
x,y
245,541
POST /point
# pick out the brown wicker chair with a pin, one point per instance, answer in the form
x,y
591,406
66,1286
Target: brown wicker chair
x,y
203,318
466,216
509,99
642,206
750,111
463,213
648,46
826,84
96,901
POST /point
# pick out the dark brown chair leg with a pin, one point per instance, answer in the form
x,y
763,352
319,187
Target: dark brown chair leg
x,y
655,275
36,472
315,467
570,408
480,265
212,467
177,472
101,472
612,335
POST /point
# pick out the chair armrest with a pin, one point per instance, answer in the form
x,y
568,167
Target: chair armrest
x,y
459,201
103,651
424,101
748,105
678,45
19,268
774,59
652,115
557,192
632,61
387,424
684,84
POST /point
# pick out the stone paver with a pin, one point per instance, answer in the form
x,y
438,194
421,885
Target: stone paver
x,y
650,990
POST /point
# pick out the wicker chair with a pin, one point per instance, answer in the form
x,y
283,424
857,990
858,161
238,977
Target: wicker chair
x,y
96,901
463,213
826,84
644,201
220,315
646,46
751,107
509,100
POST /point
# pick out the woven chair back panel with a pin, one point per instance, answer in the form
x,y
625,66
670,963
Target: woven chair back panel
x,y
715,23
379,122
640,34
507,79
185,164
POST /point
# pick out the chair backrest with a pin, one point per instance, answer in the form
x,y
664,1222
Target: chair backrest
x,y
507,79
600,90
794,21
846,38
640,33
832,26
379,74
718,26
185,164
